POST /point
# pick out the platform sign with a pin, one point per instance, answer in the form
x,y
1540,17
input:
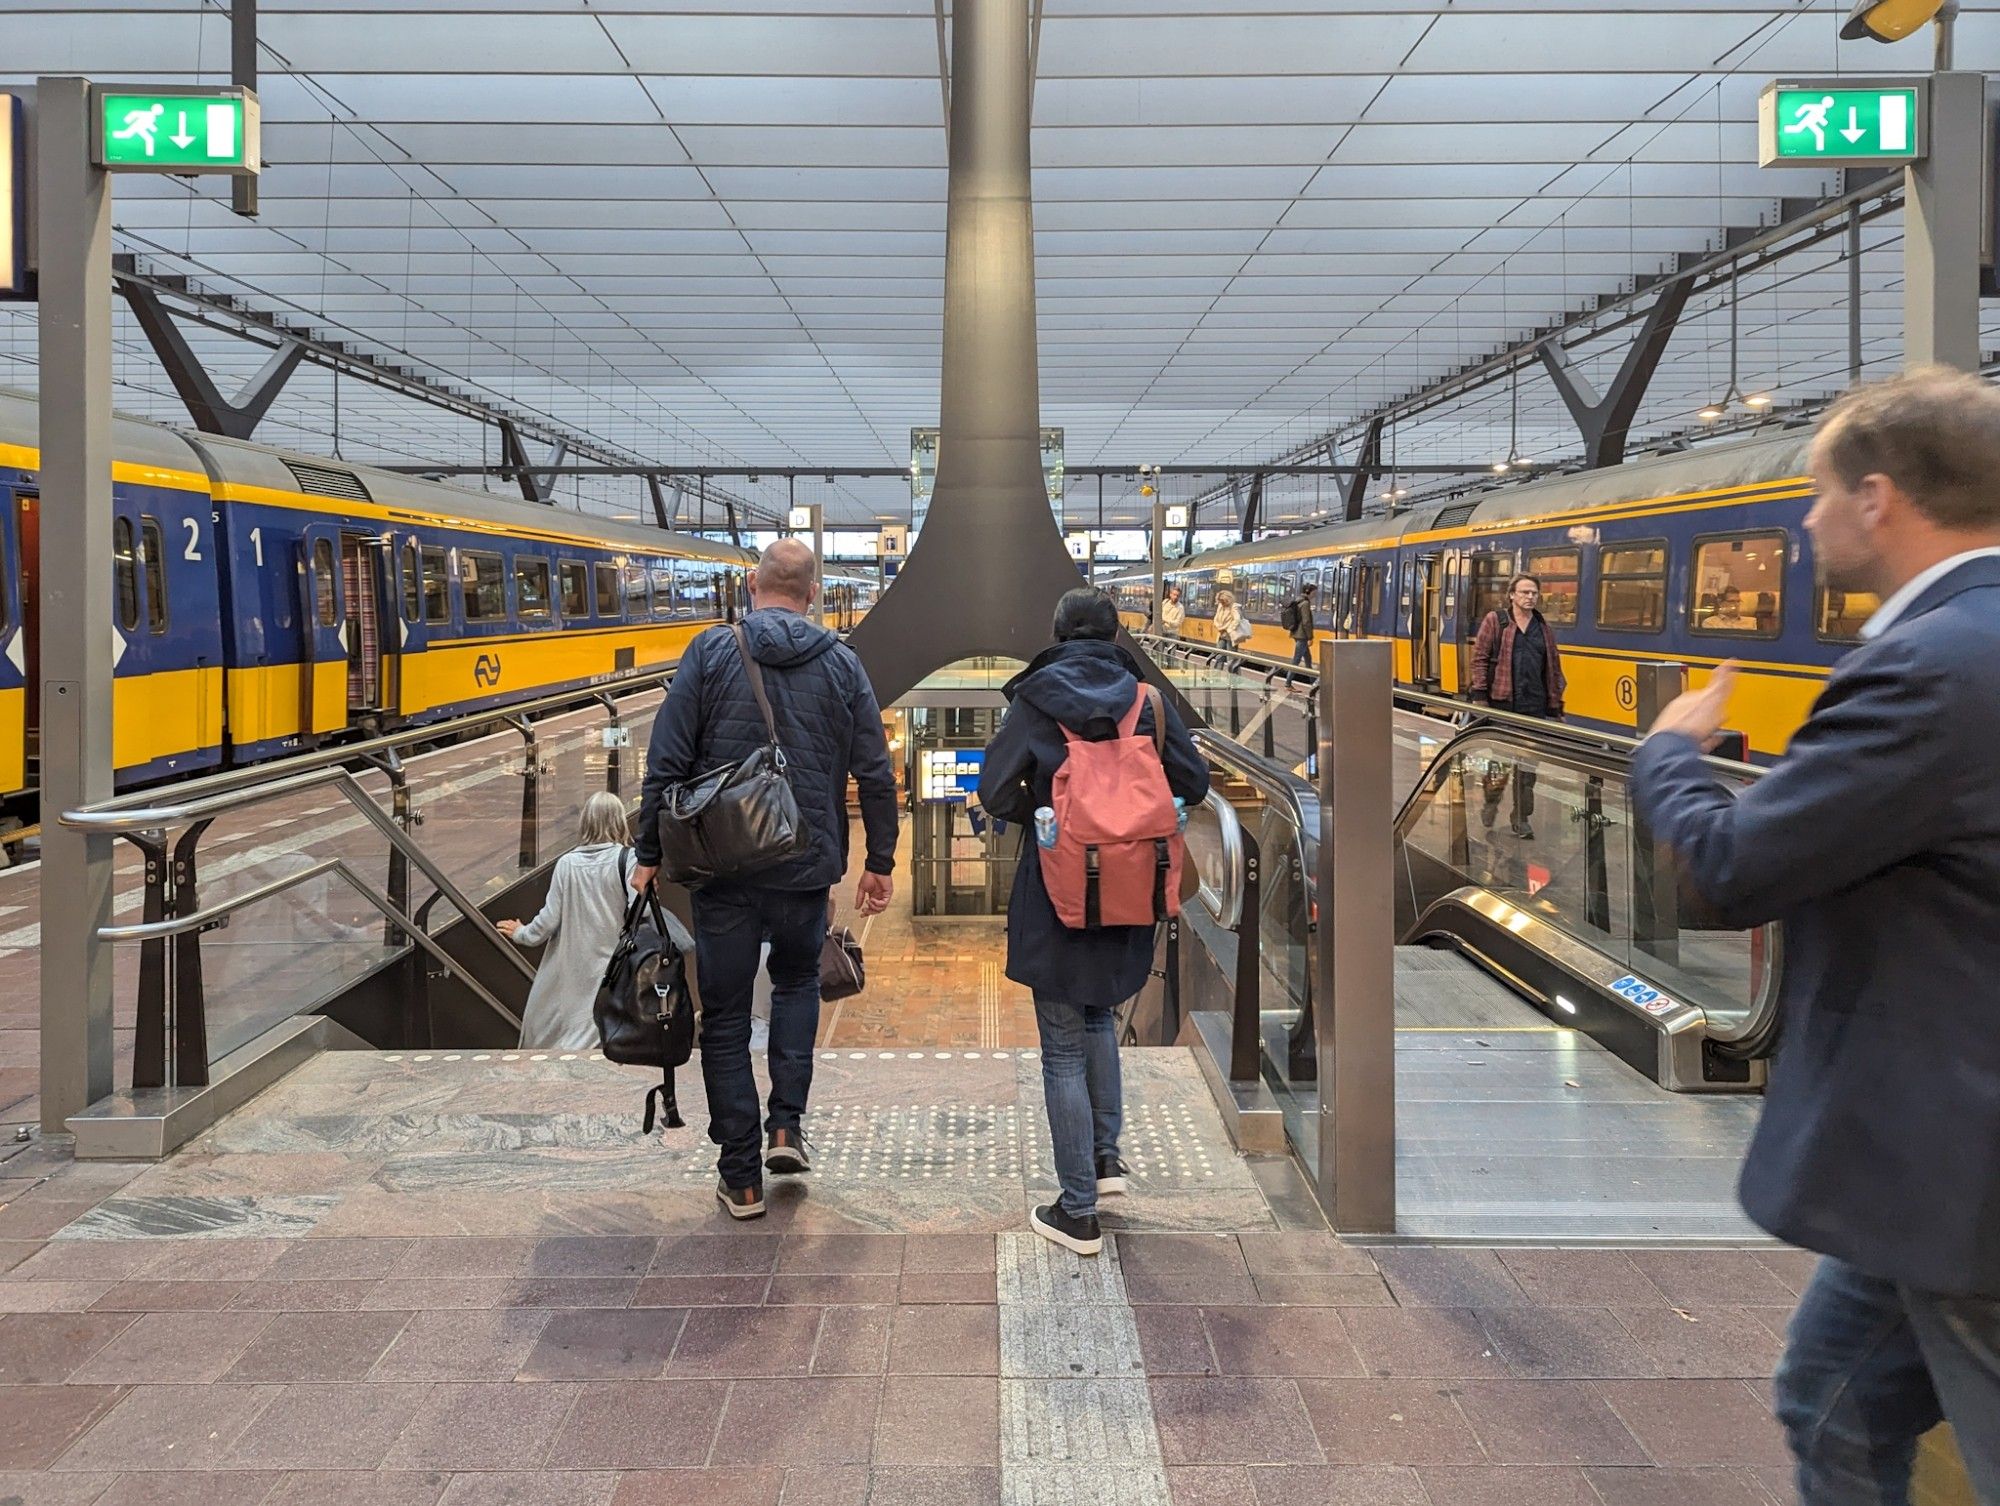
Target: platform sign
x,y
951,775
175,131
13,199
1844,121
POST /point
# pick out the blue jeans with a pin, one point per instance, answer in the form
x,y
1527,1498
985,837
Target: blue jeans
x,y
1870,1367
1081,1085
731,924
1302,651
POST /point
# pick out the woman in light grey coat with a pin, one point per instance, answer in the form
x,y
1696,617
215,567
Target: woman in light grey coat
x,y
579,923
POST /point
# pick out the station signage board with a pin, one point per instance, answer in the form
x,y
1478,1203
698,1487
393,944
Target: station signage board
x,y
801,519
893,542
14,279
170,130
1843,121
1177,516
951,775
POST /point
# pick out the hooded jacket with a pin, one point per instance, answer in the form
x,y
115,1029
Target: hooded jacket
x,y
828,725
1085,685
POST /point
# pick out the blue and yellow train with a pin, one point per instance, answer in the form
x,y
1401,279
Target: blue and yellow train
x,y
1695,558
264,602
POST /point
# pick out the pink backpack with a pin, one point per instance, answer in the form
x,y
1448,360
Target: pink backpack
x,y
1118,853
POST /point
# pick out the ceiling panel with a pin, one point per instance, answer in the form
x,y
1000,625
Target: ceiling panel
x,y
715,233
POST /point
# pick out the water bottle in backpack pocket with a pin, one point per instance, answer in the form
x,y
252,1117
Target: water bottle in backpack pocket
x,y
1118,851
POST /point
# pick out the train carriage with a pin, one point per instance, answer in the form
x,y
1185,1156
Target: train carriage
x,y
263,602
1696,558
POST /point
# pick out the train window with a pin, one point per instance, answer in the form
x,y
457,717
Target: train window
x,y
635,591
1632,586
607,591
531,585
1559,571
1739,583
126,574
662,572
153,551
575,589
1491,574
326,607
1839,616
697,597
485,586
437,586
413,581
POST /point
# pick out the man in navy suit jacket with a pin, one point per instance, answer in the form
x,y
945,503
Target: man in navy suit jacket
x,y
1876,840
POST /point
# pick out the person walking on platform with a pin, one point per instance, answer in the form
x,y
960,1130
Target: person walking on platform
x,y
1230,632
829,728
1876,839
1517,667
579,923
1084,687
1299,622
1173,613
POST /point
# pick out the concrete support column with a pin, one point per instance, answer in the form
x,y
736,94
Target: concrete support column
x,y
1944,196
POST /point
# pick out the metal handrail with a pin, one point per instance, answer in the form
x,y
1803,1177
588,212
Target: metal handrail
x,y
335,754
336,867
1448,706
123,822
1227,907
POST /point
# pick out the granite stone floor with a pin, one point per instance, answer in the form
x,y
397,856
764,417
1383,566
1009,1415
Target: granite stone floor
x,y
465,1278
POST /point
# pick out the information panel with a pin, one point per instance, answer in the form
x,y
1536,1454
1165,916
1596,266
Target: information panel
x,y
951,775
13,200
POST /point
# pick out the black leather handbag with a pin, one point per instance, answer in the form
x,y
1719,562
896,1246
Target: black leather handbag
x,y
644,1010
738,819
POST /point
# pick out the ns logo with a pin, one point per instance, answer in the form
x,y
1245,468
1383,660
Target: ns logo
x,y
486,670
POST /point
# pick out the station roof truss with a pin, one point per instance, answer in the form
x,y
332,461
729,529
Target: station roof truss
x,y
714,236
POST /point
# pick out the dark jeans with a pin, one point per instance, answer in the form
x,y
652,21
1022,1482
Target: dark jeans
x,y
1870,1367
731,924
1302,650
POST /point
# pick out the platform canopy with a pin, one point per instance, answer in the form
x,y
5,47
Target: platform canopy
x,y
719,236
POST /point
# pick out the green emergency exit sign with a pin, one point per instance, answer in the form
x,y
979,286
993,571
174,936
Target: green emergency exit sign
x,y
169,131
1843,121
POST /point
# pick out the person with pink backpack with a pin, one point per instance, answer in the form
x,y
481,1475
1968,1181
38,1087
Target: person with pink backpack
x,y
1098,770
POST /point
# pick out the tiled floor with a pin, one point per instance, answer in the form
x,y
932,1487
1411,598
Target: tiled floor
x,y
469,1281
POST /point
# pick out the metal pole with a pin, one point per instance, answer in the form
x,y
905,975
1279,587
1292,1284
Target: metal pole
x,y
1943,199
74,202
1854,296
243,70
819,566
1159,561
1356,965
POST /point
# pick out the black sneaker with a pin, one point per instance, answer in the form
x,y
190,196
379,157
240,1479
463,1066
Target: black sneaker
x,y
1079,1234
1111,1175
742,1202
1522,830
790,1152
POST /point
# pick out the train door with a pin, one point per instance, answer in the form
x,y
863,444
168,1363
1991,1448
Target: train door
x,y
23,646
29,518
1427,624
322,630
363,593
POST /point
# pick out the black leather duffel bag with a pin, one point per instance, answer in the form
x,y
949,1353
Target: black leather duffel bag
x,y
644,1010
738,819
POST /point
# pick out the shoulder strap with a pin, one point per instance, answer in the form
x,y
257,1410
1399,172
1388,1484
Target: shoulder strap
x,y
1159,720
1128,724
755,674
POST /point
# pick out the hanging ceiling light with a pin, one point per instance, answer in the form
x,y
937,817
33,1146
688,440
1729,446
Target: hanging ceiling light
x,y
1888,20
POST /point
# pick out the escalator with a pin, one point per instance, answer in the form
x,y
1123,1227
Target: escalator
x,y
1518,854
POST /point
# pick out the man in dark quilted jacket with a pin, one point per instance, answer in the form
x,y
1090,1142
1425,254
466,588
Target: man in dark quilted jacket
x,y
830,728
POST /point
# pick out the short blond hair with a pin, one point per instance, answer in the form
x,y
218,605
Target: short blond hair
x,y
1935,432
